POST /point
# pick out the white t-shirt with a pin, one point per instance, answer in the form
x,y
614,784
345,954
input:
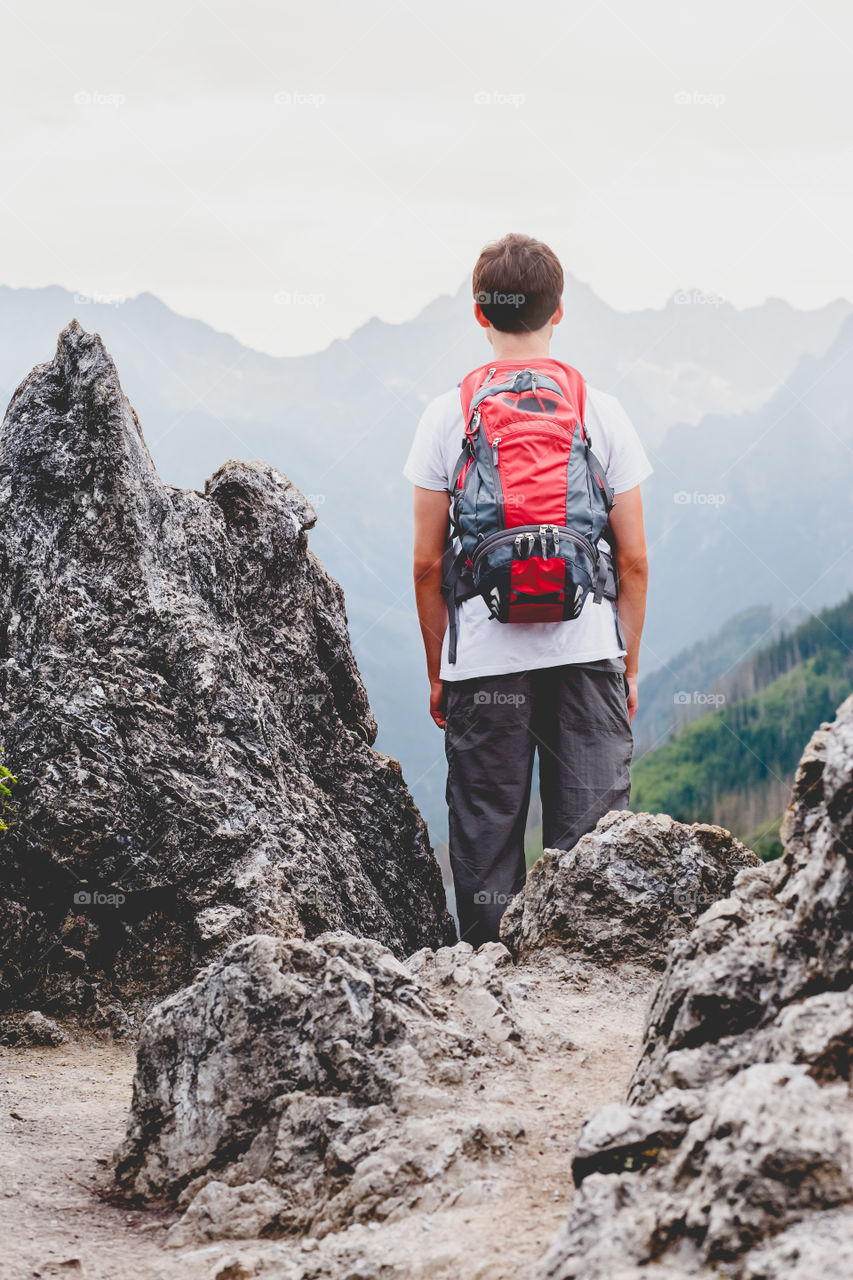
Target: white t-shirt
x,y
486,647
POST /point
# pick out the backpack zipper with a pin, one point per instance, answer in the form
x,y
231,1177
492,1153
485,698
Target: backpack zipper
x,y
557,532
534,422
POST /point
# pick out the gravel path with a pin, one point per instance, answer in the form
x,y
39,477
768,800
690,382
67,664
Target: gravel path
x,y
64,1109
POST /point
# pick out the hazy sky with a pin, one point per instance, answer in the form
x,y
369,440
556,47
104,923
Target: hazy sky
x,y
285,171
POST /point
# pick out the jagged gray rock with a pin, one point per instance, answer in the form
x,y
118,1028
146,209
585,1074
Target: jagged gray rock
x,y
301,1086
625,889
734,1153
182,708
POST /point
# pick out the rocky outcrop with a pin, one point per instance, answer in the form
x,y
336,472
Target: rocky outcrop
x,y
301,1088
624,890
734,1152
181,707
315,1090
304,1086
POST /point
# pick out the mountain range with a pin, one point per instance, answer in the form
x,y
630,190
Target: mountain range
x,y
744,414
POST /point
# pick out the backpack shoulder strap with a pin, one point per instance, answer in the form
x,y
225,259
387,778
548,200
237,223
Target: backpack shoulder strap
x,y
576,384
470,384
595,466
457,585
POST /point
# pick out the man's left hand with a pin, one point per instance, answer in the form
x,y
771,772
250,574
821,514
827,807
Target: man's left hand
x,y
632,696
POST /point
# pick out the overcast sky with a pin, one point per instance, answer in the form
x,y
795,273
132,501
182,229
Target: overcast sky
x,y
286,171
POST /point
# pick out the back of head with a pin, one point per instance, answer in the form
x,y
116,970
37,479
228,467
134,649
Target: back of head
x,y
518,283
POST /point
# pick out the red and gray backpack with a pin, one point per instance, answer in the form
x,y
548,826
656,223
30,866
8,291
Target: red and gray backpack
x,y
529,498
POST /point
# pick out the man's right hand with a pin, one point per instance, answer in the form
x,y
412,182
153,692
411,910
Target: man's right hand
x,y
436,697
431,526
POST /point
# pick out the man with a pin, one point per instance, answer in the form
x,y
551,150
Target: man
x,y
567,688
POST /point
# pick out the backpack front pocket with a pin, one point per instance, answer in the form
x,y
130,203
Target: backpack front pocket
x,y
535,573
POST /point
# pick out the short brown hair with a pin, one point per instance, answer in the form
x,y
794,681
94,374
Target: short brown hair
x,y
518,282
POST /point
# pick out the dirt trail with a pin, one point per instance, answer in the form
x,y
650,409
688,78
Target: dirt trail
x,y
64,1111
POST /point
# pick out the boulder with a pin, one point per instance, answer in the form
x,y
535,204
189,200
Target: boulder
x,y
30,1030
624,890
182,709
302,1086
734,1152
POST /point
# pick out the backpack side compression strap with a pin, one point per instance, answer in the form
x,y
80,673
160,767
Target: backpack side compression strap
x,y
457,585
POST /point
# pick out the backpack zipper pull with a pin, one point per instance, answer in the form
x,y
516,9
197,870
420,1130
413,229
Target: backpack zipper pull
x,y
495,444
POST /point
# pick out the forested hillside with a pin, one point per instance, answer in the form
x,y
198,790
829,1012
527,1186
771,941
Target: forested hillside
x,y
734,766
675,694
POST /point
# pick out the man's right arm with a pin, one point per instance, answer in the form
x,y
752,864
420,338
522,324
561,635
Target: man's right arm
x,y
432,511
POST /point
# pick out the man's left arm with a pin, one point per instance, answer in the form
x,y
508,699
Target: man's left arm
x,y
632,568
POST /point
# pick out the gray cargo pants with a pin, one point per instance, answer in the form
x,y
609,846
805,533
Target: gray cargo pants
x,y
576,716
